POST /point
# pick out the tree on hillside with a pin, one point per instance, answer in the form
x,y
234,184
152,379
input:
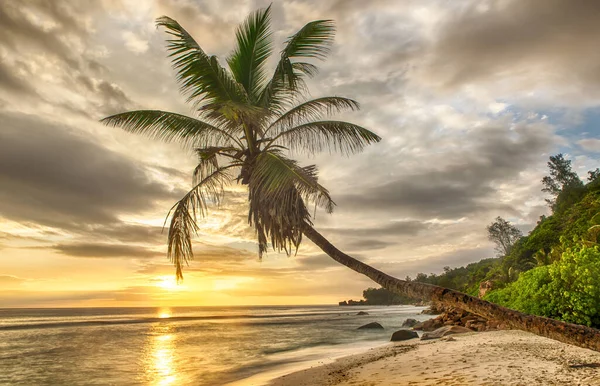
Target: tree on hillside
x,y
593,175
562,183
504,235
246,122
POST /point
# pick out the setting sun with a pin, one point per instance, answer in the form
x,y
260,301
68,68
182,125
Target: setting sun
x,y
168,283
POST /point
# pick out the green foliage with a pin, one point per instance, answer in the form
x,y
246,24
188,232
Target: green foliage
x,y
562,183
463,279
567,289
383,297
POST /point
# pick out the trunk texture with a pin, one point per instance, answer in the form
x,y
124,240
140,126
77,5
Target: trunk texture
x,y
574,334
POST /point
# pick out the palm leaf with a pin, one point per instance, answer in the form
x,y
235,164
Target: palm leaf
x,y
185,211
311,110
169,126
200,76
311,41
278,190
314,137
254,46
208,160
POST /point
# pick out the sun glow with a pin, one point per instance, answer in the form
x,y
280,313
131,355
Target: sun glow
x,y
168,283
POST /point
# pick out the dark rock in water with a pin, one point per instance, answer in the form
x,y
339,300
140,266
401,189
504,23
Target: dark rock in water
x,y
363,313
445,331
410,322
403,335
373,325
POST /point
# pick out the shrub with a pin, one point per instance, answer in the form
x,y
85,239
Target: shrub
x,y
567,289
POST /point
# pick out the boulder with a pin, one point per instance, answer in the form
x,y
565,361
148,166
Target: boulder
x,y
403,335
410,322
484,287
432,324
370,326
362,313
444,331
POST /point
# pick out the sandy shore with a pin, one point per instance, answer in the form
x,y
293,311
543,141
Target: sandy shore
x,y
484,358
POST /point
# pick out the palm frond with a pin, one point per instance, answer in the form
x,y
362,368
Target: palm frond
x,y
314,137
208,160
169,126
278,192
200,76
312,110
183,221
254,47
311,41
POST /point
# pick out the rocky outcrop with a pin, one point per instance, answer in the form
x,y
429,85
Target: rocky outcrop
x,y
370,326
434,309
401,335
444,331
362,313
410,322
458,317
484,287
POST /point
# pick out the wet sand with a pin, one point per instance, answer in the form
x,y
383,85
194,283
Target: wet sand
x,y
484,358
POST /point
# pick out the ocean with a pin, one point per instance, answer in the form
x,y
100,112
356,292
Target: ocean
x,y
183,345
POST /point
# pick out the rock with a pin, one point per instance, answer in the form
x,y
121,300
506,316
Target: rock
x,y
403,335
362,313
373,325
444,331
410,322
432,324
484,287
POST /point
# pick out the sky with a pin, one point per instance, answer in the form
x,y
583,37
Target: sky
x,y
470,97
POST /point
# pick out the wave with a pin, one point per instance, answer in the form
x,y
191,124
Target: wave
x,y
95,322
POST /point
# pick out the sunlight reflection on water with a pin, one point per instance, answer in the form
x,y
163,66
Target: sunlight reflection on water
x,y
160,364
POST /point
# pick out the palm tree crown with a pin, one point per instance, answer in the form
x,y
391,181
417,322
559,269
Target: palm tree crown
x,y
244,123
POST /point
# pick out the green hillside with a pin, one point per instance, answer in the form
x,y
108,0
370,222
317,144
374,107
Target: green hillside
x,y
553,271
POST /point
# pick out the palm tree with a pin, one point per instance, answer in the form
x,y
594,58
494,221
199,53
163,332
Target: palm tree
x,y
247,121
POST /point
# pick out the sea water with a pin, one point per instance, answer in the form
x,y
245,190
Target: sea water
x,y
183,346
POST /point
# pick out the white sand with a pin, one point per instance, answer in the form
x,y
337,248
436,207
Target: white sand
x,y
485,358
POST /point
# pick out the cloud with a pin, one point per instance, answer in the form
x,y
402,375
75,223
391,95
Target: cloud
x,y
52,176
458,183
134,43
9,281
98,250
590,144
548,45
11,82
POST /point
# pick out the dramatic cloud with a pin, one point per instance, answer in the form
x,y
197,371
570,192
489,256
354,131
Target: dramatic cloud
x,y
470,97
52,176
461,183
548,45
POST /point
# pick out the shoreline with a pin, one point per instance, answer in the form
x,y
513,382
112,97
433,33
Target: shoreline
x,y
506,357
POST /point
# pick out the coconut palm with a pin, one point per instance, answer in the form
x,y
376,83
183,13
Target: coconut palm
x,y
247,121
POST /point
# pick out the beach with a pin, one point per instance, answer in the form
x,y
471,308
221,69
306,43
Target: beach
x,y
506,357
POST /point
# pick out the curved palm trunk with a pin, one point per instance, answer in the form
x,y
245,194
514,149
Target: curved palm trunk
x,y
574,334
